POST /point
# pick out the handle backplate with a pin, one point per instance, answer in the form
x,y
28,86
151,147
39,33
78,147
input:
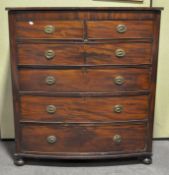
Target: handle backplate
x,y
117,139
49,29
120,53
121,28
50,80
118,108
51,109
119,80
51,139
49,54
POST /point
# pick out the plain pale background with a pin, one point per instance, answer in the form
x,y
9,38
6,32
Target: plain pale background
x,y
162,100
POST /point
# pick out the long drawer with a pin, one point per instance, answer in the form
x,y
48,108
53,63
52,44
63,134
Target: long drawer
x,y
84,109
84,80
51,139
69,54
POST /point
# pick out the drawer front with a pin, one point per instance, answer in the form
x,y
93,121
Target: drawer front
x,y
83,139
50,54
84,109
49,29
119,53
52,80
120,29
122,79
92,80
74,54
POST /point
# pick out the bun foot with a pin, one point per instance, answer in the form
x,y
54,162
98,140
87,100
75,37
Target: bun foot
x,y
147,160
18,160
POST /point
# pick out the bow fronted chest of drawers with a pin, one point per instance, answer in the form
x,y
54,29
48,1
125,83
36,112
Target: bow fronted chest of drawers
x,y
84,81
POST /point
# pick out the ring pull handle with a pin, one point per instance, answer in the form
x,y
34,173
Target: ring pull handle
x,y
117,139
51,139
49,29
51,109
119,80
49,54
120,53
50,80
121,28
118,108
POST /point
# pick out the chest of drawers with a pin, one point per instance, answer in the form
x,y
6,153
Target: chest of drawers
x,y
84,81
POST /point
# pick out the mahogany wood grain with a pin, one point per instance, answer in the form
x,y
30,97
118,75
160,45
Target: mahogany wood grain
x,y
85,80
84,109
83,139
63,29
14,74
94,53
102,80
65,54
81,9
135,53
155,50
66,80
85,15
84,92
107,29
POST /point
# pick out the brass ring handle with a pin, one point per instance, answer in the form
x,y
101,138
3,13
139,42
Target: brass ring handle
x,y
120,53
49,29
51,109
50,80
119,80
118,108
117,139
51,139
121,28
49,54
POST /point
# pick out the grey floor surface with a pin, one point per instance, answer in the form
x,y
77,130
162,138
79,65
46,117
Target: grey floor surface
x,y
160,164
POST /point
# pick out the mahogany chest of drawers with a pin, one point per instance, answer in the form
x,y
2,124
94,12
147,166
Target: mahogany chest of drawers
x,y
84,81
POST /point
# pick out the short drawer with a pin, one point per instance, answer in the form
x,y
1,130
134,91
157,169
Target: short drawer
x,y
61,139
120,53
118,79
119,29
51,80
50,54
88,80
49,29
84,109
